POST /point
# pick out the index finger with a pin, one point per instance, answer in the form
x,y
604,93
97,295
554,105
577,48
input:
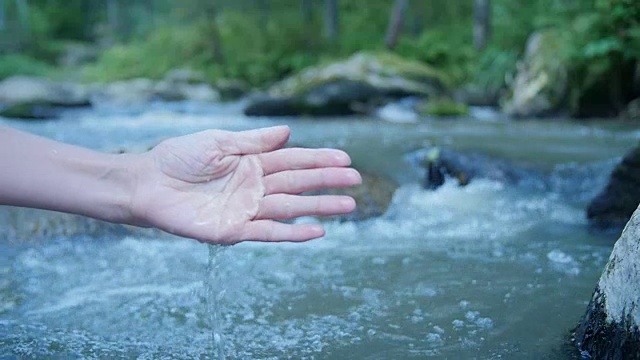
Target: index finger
x,y
299,158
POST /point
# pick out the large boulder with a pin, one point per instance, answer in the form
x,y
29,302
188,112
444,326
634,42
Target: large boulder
x,y
541,83
184,76
176,91
610,326
125,92
185,84
338,97
360,82
632,110
34,97
231,89
617,201
30,110
178,85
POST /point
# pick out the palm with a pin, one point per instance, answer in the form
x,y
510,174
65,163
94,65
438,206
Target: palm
x,y
227,187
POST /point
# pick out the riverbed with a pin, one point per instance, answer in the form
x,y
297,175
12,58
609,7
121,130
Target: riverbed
x,y
490,270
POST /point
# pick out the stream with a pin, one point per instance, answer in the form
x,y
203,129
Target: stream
x,y
486,271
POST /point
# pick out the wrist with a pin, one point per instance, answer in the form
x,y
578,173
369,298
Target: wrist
x,y
126,177
104,185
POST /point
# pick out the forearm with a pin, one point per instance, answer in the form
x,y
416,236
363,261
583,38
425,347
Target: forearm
x,y
41,173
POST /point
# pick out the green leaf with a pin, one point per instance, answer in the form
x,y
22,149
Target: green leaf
x,y
603,47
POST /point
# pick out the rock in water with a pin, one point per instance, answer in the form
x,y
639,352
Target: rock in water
x,y
615,204
373,196
29,97
463,167
27,89
609,329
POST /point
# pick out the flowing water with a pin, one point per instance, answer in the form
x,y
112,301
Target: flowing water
x,y
485,271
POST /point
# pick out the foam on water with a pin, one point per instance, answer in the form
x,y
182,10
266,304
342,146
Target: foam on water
x,y
441,273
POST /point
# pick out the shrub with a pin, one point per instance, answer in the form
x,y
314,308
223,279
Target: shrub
x,y
17,64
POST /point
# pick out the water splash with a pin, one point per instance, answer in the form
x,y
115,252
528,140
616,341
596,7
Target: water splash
x,y
214,295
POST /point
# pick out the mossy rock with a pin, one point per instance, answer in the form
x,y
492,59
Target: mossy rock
x,y
609,328
385,71
232,89
31,110
632,111
363,81
442,107
18,90
541,85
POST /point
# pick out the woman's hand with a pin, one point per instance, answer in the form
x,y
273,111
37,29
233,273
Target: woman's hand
x,y
226,187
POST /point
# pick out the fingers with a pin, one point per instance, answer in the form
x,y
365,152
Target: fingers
x,y
297,158
298,181
253,141
284,206
273,231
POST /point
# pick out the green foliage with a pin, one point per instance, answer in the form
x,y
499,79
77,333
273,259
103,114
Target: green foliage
x,y
167,48
17,64
363,26
605,39
63,22
443,107
250,53
261,48
263,41
492,69
446,49
262,55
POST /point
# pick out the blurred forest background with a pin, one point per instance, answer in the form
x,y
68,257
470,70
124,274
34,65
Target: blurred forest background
x,y
476,43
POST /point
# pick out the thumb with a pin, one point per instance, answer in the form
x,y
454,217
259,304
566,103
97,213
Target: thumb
x,y
258,140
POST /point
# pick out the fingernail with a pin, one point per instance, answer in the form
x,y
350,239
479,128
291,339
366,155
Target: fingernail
x,y
348,203
318,229
354,176
342,157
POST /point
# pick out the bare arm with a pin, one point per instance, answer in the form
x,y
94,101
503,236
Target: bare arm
x,y
213,186
41,173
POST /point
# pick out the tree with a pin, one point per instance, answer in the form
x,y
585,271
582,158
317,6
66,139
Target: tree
x,y
263,9
112,18
481,23
418,11
331,24
211,12
307,12
2,15
307,23
396,22
23,13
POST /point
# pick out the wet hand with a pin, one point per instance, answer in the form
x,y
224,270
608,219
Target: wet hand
x,y
226,187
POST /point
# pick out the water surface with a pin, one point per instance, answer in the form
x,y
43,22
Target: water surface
x,y
486,271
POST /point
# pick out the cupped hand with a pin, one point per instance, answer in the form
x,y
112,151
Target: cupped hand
x,y
226,187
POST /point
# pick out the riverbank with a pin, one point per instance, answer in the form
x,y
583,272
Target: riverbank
x,y
381,84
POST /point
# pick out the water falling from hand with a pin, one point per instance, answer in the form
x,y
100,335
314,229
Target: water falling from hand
x,y
214,294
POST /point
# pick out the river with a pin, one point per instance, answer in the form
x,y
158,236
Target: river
x,y
486,271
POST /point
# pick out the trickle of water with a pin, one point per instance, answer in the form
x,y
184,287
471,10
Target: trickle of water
x,y
214,294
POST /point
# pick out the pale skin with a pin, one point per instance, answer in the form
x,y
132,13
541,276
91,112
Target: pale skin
x,y
214,186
